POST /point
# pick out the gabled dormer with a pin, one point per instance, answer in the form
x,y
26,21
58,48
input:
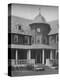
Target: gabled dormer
x,y
19,27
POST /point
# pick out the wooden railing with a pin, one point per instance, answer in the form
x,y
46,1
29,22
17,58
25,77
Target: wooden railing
x,y
22,61
51,62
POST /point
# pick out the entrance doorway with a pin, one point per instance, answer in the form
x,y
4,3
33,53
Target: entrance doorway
x,y
38,57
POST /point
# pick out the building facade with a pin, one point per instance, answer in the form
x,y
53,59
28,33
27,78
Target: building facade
x,y
33,46
54,36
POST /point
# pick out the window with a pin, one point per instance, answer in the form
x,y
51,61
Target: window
x,y
21,39
19,27
25,40
57,39
43,40
38,41
38,29
53,38
9,38
15,38
32,40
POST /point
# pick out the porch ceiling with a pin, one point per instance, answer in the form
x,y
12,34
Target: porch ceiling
x,y
35,46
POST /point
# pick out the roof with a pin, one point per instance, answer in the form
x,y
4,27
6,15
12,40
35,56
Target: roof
x,y
39,19
19,21
54,27
25,24
34,46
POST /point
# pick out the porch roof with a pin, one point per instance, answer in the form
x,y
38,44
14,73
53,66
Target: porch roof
x,y
42,46
35,46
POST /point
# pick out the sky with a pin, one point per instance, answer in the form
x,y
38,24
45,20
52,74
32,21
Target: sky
x,y
50,13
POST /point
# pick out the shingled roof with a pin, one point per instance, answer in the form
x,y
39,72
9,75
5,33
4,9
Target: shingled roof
x,y
54,27
19,21
25,25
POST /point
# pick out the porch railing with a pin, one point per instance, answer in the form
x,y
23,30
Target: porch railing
x,y
22,61
51,62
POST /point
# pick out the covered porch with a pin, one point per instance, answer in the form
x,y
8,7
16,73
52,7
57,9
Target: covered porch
x,y
33,54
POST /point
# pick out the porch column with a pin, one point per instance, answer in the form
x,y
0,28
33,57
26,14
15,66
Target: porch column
x,y
43,56
29,54
51,54
16,56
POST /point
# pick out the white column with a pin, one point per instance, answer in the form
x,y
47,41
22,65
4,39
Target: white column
x,y
16,56
51,55
29,54
43,56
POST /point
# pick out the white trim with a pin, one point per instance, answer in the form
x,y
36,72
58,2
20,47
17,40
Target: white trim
x,y
43,56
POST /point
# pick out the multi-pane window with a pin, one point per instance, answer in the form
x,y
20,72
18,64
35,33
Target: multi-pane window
x,y
26,40
43,39
15,38
21,39
32,40
53,39
38,41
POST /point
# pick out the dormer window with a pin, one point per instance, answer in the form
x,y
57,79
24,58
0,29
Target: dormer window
x,y
19,27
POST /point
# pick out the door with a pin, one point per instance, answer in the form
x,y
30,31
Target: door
x,y
39,58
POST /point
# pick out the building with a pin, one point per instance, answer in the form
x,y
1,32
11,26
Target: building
x,y
54,36
31,46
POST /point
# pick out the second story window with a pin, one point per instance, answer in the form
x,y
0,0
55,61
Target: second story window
x,y
25,40
38,41
53,38
32,40
15,38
